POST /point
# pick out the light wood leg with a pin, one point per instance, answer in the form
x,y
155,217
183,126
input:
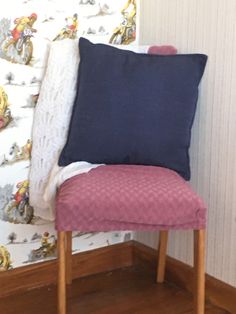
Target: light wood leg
x,y
61,244
162,256
199,271
68,257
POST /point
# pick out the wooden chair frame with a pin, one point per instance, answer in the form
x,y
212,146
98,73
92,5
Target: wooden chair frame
x,y
65,267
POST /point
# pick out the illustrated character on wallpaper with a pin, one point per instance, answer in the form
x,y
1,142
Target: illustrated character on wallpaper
x,y
5,260
22,195
125,33
70,30
17,153
47,249
17,46
18,209
21,153
5,113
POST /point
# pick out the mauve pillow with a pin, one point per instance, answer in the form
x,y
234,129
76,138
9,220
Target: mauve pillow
x,y
133,108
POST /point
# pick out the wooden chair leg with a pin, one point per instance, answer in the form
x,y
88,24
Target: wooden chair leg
x,y
199,271
68,257
162,256
61,244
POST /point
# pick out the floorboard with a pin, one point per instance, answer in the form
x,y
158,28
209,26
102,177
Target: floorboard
x,y
128,291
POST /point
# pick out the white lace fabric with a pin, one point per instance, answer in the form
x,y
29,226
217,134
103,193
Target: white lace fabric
x,y
51,119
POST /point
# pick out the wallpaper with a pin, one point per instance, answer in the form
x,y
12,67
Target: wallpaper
x,y
208,27
26,29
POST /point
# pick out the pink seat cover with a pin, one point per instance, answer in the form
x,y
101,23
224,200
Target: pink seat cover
x,y
128,197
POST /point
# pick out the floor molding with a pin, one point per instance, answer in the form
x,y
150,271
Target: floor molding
x,y
86,263
113,257
217,292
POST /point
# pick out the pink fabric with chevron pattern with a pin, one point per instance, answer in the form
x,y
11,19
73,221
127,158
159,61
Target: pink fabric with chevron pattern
x,y
128,197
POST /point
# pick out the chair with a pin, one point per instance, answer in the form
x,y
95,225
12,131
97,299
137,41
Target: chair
x,y
129,197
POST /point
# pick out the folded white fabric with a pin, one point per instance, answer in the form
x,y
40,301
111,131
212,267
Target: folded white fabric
x,y
50,127
59,175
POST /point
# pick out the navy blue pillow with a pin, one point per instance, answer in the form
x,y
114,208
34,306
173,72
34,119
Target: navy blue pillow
x,y
133,108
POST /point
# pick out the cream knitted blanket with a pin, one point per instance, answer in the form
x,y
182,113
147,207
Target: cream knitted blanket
x,y
51,121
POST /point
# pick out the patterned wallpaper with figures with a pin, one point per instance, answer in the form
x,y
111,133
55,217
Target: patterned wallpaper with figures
x,y
26,29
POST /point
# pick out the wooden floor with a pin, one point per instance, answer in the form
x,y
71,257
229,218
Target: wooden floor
x,y
128,291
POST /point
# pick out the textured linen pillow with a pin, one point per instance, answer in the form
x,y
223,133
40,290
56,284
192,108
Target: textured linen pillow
x,y
133,108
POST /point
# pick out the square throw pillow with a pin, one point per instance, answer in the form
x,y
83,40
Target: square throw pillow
x,y
133,108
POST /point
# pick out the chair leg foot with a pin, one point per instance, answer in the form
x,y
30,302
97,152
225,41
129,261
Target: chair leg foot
x,y
199,271
68,257
61,244
162,256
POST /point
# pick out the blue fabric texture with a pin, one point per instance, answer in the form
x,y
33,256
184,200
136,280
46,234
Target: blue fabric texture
x,y
133,108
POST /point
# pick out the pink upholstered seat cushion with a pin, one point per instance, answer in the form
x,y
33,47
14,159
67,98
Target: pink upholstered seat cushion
x,y
128,197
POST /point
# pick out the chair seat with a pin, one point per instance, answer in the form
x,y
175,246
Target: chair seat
x,y
128,197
